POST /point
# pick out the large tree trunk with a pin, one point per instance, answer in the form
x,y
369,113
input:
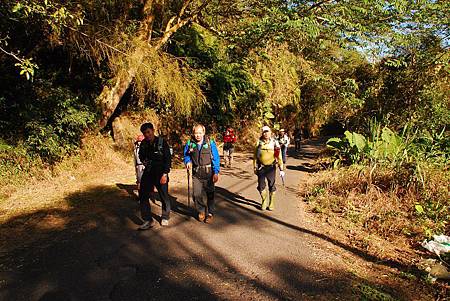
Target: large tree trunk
x,y
110,97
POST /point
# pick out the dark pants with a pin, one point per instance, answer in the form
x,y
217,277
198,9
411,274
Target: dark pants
x,y
297,144
148,181
266,172
284,153
202,181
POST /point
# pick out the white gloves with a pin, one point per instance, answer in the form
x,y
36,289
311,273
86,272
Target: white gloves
x,y
282,173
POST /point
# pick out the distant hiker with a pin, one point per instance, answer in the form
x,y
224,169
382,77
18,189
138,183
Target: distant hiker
x,y
202,156
229,139
154,153
139,167
297,138
283,139
265,160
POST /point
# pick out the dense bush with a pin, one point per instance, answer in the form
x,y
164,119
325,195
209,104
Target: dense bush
x,y
52,123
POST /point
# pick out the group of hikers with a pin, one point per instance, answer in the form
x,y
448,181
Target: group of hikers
x,y
201,158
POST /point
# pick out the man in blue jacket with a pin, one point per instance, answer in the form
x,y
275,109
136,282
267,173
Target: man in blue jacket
x,y
201,154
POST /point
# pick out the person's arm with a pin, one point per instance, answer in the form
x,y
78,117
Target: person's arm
x,y
167,158
186,155
255,155
136,155
215,158
143,152
279,158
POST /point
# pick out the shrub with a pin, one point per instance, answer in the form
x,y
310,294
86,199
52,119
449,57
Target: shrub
x,y
58,131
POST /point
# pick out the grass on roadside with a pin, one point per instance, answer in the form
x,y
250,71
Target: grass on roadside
x,y
384,203
20,169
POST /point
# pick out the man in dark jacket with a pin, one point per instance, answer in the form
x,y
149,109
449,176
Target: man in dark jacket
x,y
154,153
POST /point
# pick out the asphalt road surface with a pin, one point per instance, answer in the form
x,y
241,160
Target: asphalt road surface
x,y
93,251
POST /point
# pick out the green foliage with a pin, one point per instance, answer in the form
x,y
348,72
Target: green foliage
x,y
60,132
371,293
227,85
384,146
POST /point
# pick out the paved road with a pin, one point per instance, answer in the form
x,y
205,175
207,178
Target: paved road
x,y
94,252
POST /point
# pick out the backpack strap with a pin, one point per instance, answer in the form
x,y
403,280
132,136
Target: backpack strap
x,y
160,144
210,150
258,150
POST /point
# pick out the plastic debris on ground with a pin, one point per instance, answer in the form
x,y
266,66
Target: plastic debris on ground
x,y
439,245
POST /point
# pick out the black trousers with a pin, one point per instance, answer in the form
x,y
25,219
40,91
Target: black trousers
x,y
202,181
267,172
297,144
148,181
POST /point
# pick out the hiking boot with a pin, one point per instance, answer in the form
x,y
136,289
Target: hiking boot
x,y
271,201
201,216
164,222
209,219
264,200
146,225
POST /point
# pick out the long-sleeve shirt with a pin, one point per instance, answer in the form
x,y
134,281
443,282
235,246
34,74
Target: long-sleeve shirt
x,y
154,159
215,158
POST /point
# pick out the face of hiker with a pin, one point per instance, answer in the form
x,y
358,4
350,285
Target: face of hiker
x,y
199,134
149,134
267,135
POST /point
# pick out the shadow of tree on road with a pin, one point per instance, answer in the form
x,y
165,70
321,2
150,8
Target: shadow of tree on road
x,y
89,250
233,199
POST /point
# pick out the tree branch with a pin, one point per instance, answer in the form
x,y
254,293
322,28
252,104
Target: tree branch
x,y
12,55
171,29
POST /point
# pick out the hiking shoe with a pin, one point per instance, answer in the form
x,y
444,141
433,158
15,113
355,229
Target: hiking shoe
x,y
209,219
146,225
164,222
201,216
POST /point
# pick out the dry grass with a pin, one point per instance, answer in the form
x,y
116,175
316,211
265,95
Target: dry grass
x,y
96,160
378,210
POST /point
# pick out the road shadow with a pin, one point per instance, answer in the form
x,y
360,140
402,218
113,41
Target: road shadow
x,y
305,167
234,199
176,206
90,250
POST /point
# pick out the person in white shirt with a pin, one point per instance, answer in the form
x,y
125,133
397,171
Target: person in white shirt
x,y
284,141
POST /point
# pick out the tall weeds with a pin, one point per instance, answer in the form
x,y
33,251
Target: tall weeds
x,y
387,182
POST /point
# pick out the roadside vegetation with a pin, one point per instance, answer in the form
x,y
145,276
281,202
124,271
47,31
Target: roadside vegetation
x,y
77,77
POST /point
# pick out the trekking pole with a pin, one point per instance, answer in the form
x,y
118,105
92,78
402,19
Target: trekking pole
x,y
282,180
189,187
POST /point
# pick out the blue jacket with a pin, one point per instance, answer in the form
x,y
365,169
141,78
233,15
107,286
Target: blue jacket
x,y
215,161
